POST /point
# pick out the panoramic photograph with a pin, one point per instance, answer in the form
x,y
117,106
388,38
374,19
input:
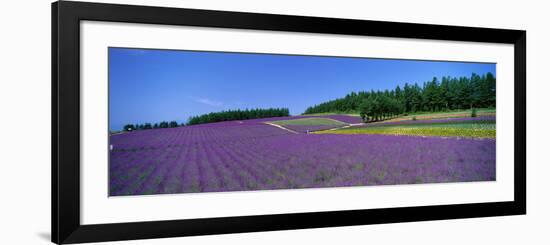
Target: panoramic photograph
x,y
207,121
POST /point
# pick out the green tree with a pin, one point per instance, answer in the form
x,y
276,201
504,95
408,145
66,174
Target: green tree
x,y
147,126
163,124
450,93
129,127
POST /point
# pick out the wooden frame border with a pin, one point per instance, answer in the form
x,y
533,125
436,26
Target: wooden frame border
x,y
66,17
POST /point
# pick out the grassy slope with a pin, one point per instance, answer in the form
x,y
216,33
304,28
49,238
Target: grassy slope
x,y
479,129
353,114
480,110
427,124
461,129
447,114
309,121
424,115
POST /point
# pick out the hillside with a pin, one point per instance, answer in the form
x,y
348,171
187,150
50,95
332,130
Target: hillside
x,y
433,96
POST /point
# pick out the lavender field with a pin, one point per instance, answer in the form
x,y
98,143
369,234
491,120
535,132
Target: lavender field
x,y
253,155
196,121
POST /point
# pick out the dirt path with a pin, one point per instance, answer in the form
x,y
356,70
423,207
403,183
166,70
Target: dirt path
x,y
347,126
334,120
281,127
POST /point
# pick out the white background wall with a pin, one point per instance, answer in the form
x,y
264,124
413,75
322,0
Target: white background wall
x,y
25,123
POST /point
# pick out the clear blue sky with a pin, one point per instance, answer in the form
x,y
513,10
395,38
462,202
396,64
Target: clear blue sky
x,y
164,85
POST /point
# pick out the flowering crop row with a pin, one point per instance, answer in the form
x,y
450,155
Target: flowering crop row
x,y
434,121
251,155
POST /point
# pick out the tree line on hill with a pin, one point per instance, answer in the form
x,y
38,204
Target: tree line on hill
x,y
163,124
448,94
231,115
228,115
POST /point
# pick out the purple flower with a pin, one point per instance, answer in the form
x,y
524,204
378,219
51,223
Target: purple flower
x,y
251,155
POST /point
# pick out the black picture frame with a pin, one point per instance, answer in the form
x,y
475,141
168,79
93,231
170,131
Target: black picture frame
x,y
66,17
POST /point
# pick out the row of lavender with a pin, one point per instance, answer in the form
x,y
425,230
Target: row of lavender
x,y
342,118
251,155
433,121
254,128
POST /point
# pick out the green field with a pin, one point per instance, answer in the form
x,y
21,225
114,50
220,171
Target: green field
x,y
423,115
309,121
478,110
423,124
447,114
483,129
354,114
